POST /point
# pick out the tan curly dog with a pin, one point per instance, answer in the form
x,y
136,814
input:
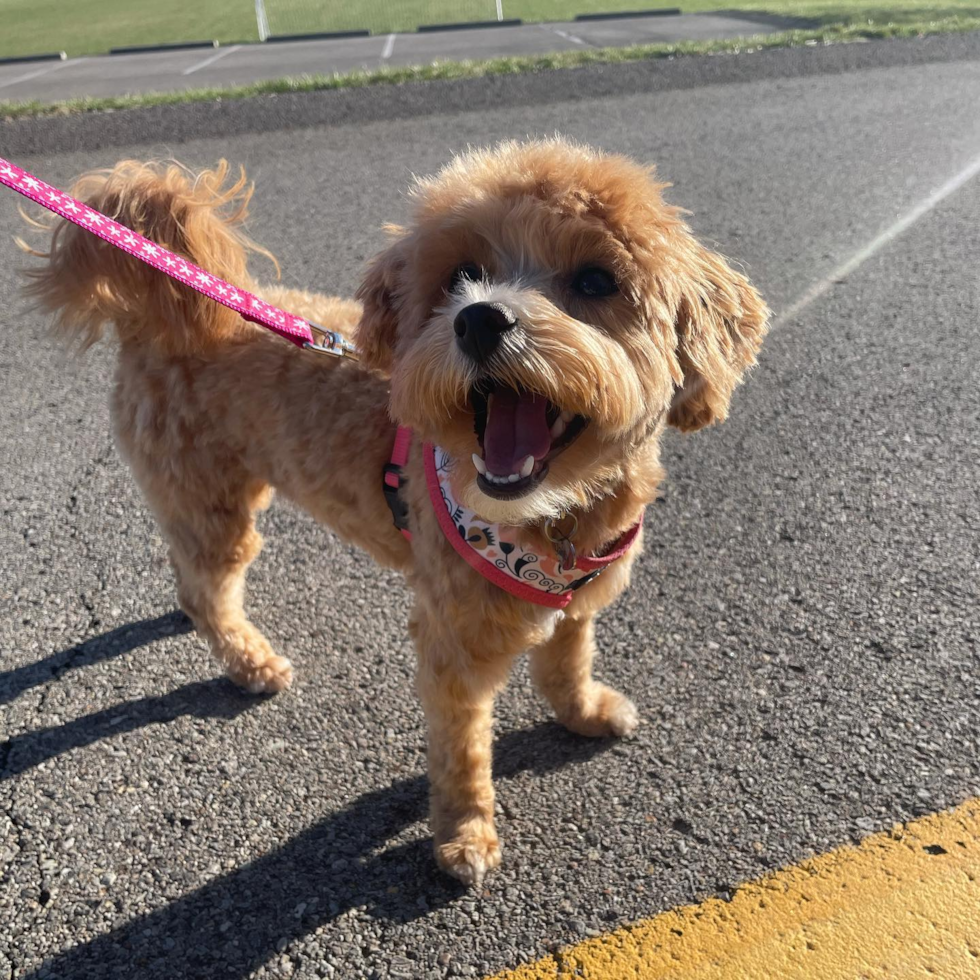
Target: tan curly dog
x,y
545,313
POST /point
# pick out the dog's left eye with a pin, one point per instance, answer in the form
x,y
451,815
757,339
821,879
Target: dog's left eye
x,y
467,271
594,281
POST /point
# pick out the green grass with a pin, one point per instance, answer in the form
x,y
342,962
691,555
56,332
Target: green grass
x,y
498,66
93,26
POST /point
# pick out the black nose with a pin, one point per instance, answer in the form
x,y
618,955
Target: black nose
x,y
478,329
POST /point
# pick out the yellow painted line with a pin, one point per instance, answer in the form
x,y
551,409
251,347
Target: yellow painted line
x,y
903,905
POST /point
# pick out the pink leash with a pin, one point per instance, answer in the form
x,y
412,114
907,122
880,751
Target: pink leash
x,y
297,331
293,328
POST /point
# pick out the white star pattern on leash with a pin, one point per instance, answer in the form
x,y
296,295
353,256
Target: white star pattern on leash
x,y
281,321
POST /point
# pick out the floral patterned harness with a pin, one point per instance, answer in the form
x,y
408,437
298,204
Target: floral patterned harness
x,y
494,550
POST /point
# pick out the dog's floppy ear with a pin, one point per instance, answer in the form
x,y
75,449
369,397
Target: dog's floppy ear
x,y
721,321
376,333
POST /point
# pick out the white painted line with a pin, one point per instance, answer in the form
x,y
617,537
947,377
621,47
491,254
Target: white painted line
x,y
564,34
41,71
211,60
905,222
389,47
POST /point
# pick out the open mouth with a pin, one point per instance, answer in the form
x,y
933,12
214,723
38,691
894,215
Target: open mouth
x,y
520,433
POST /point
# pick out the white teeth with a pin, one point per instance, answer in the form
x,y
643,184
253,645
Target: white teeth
x,y
567,417
513,477
558,429
481,467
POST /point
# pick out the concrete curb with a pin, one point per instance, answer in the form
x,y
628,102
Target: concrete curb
x,y
23,58
319,36
177,46
468,25
624,14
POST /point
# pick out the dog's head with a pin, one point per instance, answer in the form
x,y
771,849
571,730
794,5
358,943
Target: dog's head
x,y
544,315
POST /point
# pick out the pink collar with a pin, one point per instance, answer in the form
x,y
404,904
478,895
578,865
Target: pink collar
x,y
494,550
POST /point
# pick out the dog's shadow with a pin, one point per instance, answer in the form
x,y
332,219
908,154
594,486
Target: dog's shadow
x,y
232,924
115,643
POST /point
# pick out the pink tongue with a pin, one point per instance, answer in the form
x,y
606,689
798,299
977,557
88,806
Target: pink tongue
x,y
517,427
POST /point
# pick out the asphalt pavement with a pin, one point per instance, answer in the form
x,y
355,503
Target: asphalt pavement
x,y
800,638
239,64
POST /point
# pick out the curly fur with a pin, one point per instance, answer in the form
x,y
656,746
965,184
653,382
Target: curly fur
x,y
211,412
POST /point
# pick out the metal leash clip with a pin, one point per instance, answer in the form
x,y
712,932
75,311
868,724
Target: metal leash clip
x,y
331,342
562,540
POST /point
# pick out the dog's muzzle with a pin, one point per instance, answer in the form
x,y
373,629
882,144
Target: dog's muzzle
x,y
479,327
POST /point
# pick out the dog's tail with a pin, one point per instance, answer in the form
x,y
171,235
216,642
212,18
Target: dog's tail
x,y
89,283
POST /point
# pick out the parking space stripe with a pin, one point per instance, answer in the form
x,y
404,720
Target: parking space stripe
x,y
908,219
211,60
563,34
389,47
47,69
902,904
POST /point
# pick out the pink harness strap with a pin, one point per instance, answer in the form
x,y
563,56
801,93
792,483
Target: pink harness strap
x,y
393,479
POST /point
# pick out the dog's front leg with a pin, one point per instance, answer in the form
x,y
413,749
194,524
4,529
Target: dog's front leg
x,y
457,685
562,671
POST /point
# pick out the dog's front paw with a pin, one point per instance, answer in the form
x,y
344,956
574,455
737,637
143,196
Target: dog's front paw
x,y
275,675
470,853
604,714
251,664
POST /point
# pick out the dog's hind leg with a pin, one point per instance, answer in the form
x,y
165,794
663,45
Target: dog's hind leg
x,y
562,671
211,547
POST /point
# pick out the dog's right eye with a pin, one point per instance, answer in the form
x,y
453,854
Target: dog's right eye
x,y
468,271
594,282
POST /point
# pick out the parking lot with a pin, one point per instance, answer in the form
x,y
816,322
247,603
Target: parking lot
x,y
239,64
800,637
